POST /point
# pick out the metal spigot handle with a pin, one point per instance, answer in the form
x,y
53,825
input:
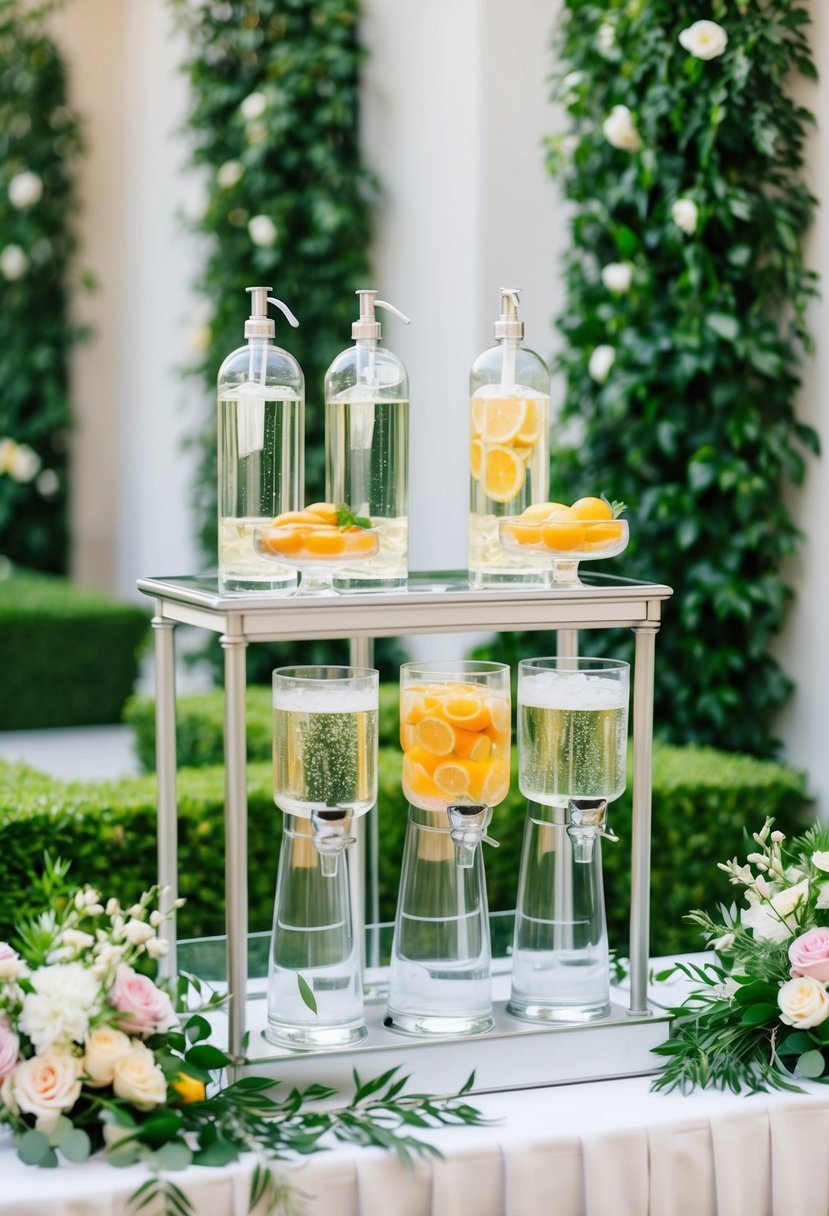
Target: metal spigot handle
x,y
469,824
331,837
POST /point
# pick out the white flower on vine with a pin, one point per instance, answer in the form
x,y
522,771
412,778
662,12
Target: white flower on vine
x,y
22,463
685,215
775,919
704,39
262,230
25,189
620,131
823,896
253,106
601,360
229,174
256,132
617,276
13,262
57,1012
820,860
605,39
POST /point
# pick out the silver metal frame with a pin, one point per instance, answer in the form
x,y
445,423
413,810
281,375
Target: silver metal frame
x,y
432,603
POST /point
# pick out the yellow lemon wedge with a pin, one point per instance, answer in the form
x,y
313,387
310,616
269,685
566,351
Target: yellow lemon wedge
x,y
476,456
503,419
469,712
531,427
435,736
503,473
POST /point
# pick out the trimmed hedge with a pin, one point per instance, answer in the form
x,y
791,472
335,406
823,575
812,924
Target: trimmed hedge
x,y
69,657
703,802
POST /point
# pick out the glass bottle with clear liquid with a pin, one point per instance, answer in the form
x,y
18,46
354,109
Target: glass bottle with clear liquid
x,y
324,774
509,450
367,447
572,750
260,434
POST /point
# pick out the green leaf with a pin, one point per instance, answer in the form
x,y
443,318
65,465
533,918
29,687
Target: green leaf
x,y
34,1149
759,1015
205,1055
795,1044
220,1152
197,1028
174,1156
306,994
811,1064
725,326
77,1146
62,1129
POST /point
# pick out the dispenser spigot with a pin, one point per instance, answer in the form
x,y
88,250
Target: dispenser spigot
x,y
586,821
259,324
508,324
469,825
331,837
368,327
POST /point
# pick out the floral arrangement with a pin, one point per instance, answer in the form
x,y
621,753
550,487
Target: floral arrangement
x,y
681,156
96,1055
760,1019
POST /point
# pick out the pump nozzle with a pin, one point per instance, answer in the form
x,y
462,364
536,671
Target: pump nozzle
x,y
368,326
259,324
508,324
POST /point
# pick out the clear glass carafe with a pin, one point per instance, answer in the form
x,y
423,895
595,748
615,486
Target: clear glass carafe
x,y
324,774
455,732
572,749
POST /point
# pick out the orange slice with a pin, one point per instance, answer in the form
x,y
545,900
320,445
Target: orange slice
x,y
531,427
476,455
436,736
499,712
453,778
592,508
603,533
469,712
503,419
503,473
472,745
325,542
326,511
414,705
426,759
417,784
496,785
408,738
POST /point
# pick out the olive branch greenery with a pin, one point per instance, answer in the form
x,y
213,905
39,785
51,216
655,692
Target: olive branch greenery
x,y
684,330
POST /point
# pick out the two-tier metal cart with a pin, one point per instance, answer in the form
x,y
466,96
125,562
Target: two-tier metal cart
x,y
431,603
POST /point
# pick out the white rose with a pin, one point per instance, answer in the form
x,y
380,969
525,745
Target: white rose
x,y
262,230
45,1086
24,464
605,39
47,486
13,263
58,1011
774,921
685,215
104,1048
803,1002
620,130
617,276
600,363
787,901
137,932
25,189
138,1079
723,943
230,173
820,860
823,896
704,39
158,948
76,939
253,106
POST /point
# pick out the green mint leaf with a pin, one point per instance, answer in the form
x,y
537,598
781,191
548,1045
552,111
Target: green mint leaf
x,y
307,995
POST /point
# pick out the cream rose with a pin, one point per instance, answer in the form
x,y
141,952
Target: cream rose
x,y
620,130
704,40
13,262
617,276
254,106
262,230
46,1086
230,173
138,1079
104,1048
803,1002
25,189
600,363
820,860
685,215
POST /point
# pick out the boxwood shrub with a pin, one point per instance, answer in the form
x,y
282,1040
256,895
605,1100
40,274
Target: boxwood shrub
x,y
704,803
69,657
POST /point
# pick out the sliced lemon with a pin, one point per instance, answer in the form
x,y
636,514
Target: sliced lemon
x,y
415,705
436,736
531,427
503,473
496,785
408,738
499,712
453,778
477,405
503,419
418,786
476,456
469,712
472,744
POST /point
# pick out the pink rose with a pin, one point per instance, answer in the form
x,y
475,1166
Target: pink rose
x,y
11,964
46,1086
9,1048
809,955
148,1010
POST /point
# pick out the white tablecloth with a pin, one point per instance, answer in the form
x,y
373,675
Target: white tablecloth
x,y
608,1148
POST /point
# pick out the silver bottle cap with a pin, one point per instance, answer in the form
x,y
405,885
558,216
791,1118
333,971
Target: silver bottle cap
x,y
368,327
259,324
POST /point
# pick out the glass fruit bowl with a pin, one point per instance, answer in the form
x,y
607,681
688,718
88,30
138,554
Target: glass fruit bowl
x,y
565,542
316,550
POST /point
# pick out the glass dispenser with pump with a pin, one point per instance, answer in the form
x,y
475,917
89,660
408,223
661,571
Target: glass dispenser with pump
x,y
260,431
367,446
509,452
455,733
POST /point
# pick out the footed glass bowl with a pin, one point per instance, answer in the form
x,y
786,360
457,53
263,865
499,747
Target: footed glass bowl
x,y
564,542
317,551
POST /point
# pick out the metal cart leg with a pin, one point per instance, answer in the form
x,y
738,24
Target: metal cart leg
x,y
236,838
364,853
641,827
165,767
